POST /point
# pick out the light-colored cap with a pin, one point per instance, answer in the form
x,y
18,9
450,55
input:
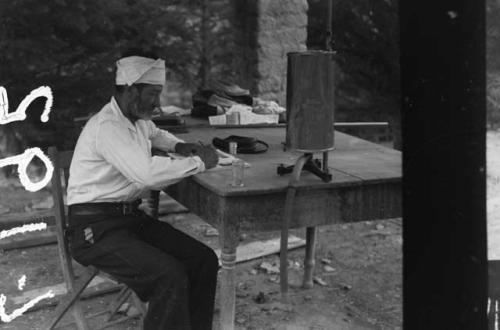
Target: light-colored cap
x,y
140,70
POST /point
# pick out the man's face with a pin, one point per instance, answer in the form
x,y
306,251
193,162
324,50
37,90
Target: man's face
x,y
145,101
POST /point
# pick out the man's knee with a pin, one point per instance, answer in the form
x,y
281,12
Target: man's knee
x,y
174,278
177,274
210,259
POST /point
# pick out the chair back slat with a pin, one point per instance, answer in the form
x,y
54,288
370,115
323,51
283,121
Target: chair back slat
x,y
61,162
65,159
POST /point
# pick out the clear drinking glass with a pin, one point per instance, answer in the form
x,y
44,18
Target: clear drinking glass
x,y
238,167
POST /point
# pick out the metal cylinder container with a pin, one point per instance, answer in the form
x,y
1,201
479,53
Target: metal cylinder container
x,y
310,101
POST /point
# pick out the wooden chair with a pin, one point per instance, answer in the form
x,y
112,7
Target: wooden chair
x,y
75,287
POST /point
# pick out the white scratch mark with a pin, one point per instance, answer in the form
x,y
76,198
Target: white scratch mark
x,y
23,160
452,14
23,229
20,311
21,282
20,113
496,315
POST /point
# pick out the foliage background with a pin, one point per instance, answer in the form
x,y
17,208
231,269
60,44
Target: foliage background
x,y
72,45
366,39
493,63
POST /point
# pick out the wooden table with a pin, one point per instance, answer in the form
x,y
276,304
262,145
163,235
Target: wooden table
x,y
366,185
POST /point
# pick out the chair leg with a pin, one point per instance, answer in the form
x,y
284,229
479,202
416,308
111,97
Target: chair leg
x,y
124,294
70,300
79,316
139,304
117,321
122,297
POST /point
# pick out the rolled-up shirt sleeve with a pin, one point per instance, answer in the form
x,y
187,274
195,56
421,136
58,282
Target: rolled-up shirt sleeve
x,y
162,139
118,147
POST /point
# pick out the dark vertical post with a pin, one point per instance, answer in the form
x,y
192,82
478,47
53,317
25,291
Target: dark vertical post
x,y
329,32
444,209
329,44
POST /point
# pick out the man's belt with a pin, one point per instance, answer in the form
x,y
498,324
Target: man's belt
x,y
111,209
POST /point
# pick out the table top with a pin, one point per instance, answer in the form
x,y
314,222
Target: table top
x,y
353,162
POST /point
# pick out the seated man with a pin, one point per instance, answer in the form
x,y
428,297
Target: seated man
x,y
112,168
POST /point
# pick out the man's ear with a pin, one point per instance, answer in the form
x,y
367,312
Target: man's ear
x,y
131,92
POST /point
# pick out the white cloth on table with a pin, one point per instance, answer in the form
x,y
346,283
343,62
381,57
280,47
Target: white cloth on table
x,y
172,109
248,117
112,161
266,107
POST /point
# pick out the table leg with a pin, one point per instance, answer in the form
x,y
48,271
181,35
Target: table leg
x,y
227,284
289,203
290,195
309,258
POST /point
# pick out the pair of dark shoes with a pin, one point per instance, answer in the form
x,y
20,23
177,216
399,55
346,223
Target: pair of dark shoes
x,y
201,107
231,90
217,100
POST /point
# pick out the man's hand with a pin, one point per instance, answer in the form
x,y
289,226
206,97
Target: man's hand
x,y
208,155
187,149
206,152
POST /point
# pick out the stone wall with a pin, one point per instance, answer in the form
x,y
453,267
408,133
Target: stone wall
x,y
266,30
248,46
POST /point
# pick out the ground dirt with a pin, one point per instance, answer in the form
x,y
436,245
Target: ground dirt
x,y
359,265
493,193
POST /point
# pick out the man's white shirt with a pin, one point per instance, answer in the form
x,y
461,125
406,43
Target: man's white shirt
x,y
112,161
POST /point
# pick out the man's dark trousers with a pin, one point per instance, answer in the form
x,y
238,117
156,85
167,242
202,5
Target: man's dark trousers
x,y
175,273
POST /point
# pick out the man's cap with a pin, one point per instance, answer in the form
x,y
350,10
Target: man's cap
x,y
140,70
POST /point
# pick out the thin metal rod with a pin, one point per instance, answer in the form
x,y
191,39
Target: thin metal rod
x,y
325,161
309,258
329,33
